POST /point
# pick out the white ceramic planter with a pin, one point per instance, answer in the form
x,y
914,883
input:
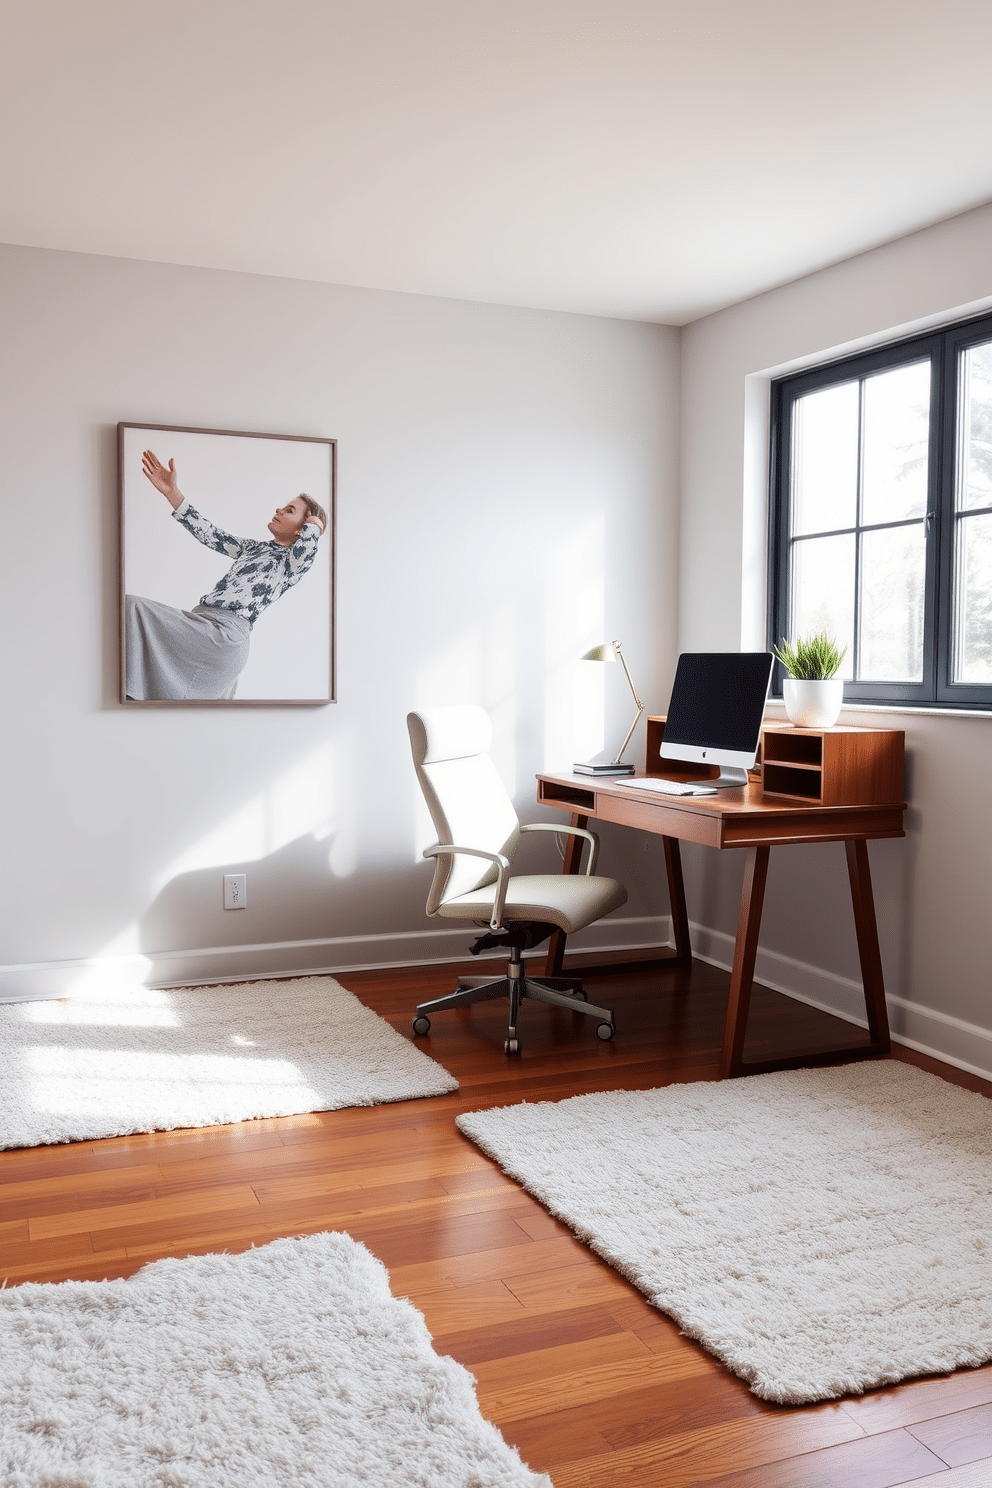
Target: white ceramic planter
x,y
813,704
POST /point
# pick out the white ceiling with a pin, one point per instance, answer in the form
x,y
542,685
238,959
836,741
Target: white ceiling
x,y
653,159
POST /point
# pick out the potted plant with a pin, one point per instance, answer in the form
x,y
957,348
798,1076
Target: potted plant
x,y
814,694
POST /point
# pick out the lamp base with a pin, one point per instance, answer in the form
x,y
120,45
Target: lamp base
x,y
601,767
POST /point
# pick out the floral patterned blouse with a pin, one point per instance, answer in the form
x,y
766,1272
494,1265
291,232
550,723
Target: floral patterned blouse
x,y
261,571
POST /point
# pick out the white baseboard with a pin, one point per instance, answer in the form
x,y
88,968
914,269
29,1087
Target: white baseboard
x,y
36,981
928,1030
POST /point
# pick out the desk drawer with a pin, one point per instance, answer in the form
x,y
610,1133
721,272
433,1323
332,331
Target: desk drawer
x,y
662,818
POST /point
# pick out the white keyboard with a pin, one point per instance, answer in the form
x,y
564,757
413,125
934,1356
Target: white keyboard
x,y
669,787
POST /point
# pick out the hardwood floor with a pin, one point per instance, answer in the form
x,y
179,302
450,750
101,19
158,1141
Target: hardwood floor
x,y
591,1383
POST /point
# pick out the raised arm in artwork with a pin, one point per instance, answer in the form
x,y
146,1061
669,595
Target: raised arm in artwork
x,y
286,525
163,478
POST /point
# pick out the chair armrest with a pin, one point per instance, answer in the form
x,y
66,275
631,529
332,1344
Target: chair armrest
x,y
570,832
502,871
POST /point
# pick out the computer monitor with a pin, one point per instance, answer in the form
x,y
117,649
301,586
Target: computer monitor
x,y
714,717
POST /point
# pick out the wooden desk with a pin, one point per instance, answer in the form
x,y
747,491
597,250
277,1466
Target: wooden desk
x,y
742,818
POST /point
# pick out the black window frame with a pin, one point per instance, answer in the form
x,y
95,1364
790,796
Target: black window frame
x,y
942,347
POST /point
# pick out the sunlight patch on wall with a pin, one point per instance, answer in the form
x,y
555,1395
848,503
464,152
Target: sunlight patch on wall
x,y
500,691
574,621
340,823
313,797
301,800
478,666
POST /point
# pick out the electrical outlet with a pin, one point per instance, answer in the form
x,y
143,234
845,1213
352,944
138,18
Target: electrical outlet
x,y
235,890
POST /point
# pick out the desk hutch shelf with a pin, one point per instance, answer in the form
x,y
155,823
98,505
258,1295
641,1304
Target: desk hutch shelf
x,y
826,767
833,767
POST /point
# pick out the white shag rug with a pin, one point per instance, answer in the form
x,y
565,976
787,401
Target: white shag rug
x,y
289,1365
136,1060
821,1231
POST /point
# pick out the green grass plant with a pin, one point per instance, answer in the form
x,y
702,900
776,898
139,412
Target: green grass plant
x,y
811,658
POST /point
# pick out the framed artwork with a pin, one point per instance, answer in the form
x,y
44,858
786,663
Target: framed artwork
x,y
227,567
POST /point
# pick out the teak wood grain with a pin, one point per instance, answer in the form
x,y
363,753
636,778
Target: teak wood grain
x,y
595,1386
839,766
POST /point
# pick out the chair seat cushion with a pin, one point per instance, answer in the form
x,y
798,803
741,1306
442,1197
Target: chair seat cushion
x,y
570,901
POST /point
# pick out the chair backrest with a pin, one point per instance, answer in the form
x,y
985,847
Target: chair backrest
x,y
469,804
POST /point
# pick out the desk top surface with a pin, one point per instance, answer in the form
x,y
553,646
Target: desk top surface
x,y
734,817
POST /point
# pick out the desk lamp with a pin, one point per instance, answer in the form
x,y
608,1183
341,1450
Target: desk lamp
x,y
602,764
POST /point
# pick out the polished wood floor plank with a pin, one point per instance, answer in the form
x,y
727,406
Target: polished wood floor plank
x,y
100,1268
963,1437
577,1386
481,1265
459,1235
178,1232
975,1475
526,1334
231,1239
572,1362
921,1400
79,1185
140,1211
61,1249
871,1462
519,1375
14,1231
479,1305
571,1286
693,1458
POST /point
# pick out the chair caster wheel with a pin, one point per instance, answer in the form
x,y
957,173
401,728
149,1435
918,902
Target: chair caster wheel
x,y
605,1031
512,1046
581,995
421,1024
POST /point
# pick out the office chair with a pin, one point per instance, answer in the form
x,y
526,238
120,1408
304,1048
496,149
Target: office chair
x,y
475,819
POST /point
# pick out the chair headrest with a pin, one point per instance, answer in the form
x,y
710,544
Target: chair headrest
x,y
449,733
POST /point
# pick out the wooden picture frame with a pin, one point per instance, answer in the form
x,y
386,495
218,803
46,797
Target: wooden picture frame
x,y
267,638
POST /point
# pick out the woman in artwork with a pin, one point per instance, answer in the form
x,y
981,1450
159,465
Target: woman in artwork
x,y
198,654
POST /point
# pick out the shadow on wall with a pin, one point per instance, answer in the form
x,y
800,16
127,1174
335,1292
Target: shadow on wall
x,y
301,915
292,896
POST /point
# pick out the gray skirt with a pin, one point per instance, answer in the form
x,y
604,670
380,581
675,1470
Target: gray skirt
x,y
184,655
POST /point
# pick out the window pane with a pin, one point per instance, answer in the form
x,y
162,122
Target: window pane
x,y
893,563
825,469
975,383
973,593
823,591
896,444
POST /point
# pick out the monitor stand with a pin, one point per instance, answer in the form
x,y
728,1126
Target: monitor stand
x,y
729,775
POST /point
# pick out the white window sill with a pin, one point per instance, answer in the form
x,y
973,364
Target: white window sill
x,y
905,709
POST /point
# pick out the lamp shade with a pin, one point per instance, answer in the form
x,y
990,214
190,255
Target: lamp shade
x,y
606,652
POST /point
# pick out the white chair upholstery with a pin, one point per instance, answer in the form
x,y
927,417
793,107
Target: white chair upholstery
x,y
478,834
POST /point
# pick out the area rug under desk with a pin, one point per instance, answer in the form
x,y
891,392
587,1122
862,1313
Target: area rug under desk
x,y
138,1060
821,1231
291,1365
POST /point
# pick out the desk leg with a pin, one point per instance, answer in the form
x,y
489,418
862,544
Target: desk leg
x,y
867,932
745,951
573,854
676,899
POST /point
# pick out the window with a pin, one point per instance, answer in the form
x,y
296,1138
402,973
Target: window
x,y
881,527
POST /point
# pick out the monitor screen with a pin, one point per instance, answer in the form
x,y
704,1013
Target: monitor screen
x,y
718,702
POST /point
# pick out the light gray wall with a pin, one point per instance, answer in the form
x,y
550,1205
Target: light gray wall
x,y
933,889
507,497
